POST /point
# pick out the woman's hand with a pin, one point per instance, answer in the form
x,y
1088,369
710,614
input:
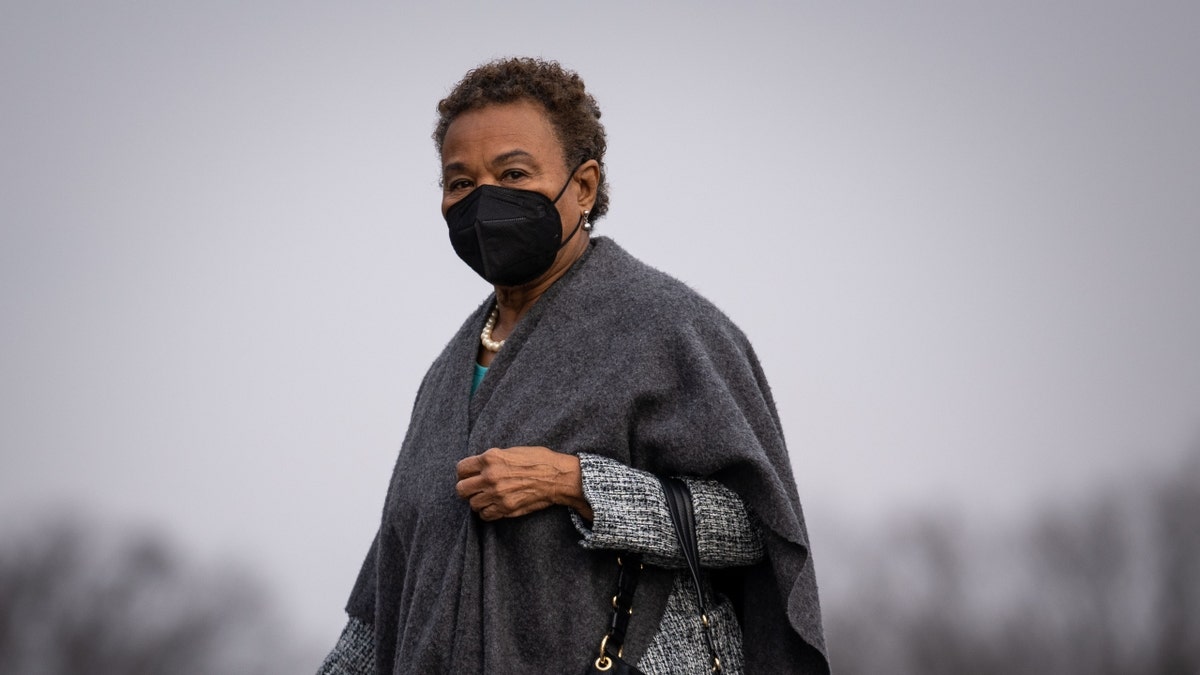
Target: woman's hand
x,y
511,482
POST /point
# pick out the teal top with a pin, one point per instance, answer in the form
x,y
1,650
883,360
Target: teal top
x,y
480,371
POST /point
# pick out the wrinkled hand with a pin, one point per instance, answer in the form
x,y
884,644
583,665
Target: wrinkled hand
x,y
511,482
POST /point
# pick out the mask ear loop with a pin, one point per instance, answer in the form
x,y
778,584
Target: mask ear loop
x,y
570,177
583,221
578,225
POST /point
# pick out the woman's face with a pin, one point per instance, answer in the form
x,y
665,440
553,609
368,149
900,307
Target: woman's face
x,y
514,145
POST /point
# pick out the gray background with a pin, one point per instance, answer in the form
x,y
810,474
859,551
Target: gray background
x,y
963,239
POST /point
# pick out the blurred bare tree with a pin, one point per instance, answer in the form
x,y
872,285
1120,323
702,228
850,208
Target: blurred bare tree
x,y
1177,608
73,601
1112,588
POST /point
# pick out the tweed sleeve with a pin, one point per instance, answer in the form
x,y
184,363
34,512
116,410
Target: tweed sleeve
x,y
354,653
629,513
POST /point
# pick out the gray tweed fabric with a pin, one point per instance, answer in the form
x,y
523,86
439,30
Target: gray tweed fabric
x,y
679,648
354,653
618,360
630,514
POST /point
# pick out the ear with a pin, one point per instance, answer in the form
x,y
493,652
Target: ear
x,y
587,178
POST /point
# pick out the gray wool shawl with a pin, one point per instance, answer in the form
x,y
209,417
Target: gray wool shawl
x,y
616,359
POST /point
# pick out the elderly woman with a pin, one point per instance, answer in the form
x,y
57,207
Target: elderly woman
x,y
530,461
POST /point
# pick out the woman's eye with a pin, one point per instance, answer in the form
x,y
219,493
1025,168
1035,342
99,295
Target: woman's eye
x,y
456,185
514,174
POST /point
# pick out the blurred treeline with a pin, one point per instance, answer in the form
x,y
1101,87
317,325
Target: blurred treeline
x,y
76,599
1109,587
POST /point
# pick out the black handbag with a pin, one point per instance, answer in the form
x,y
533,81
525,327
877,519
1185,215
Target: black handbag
x,y
679,503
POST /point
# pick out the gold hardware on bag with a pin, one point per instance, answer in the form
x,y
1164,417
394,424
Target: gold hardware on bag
x,y
626,582
605,662
614,604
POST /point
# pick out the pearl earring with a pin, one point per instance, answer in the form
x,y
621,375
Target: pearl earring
x,y
587,226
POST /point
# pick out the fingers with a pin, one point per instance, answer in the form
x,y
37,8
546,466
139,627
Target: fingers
x,y
493,506
507,482
472,465
495,458
469,487
471,472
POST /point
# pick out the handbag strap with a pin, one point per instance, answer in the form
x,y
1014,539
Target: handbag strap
x,y
683,517
629,567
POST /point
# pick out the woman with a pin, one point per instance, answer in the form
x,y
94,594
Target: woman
x,y
536,436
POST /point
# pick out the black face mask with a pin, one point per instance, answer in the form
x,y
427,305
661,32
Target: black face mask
x,y
509,237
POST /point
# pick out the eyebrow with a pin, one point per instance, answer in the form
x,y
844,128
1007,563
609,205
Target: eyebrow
x,y
498,159
452,167
511,155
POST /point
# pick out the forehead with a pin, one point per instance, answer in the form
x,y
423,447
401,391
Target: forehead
x,y
484,133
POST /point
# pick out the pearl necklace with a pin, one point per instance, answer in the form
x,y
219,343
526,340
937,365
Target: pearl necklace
x,y
485,337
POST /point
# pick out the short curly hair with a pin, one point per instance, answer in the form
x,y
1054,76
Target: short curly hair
x,y
572,111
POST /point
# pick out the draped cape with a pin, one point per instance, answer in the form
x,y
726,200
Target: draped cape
x,y
616,359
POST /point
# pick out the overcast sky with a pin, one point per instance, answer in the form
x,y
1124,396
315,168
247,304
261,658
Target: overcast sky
x,y
964,241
